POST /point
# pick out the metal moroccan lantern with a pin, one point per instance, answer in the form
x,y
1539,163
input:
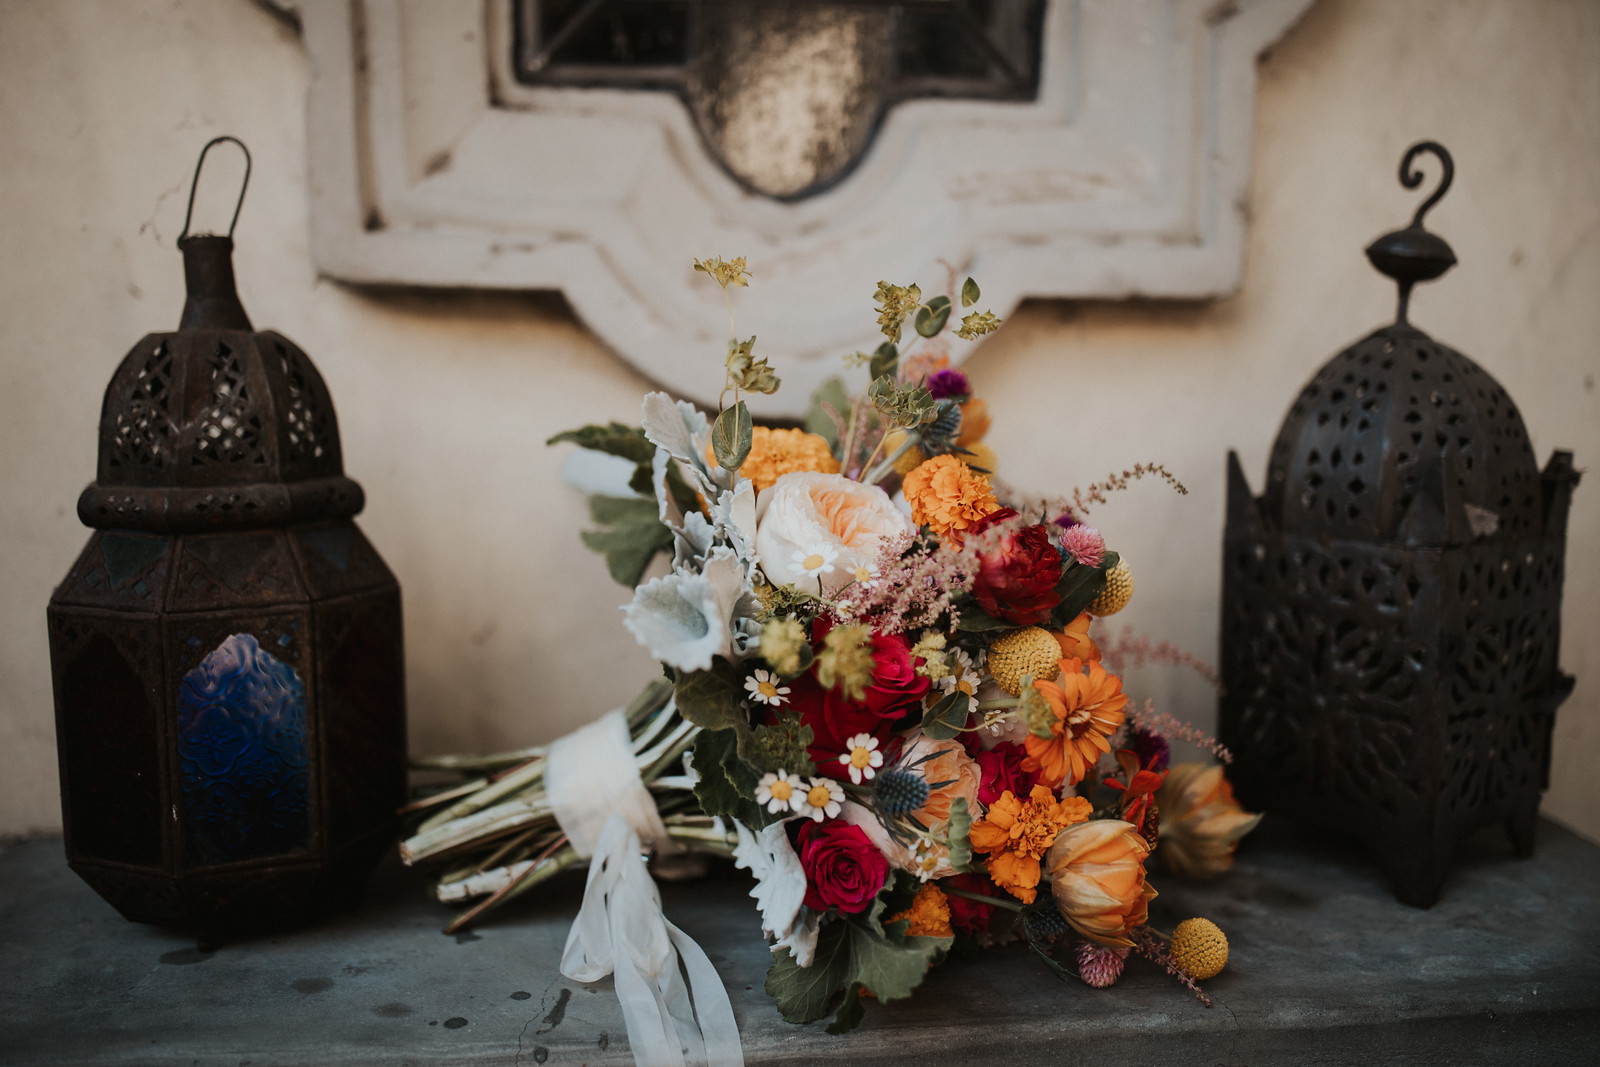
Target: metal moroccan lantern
x,y
1391,603
226,652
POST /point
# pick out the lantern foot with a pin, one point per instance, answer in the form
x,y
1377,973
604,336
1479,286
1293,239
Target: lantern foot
x,y
1521,826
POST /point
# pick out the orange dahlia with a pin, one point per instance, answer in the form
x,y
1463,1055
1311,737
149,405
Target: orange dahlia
x,y
1096,872
1087,703
1016,833
948,496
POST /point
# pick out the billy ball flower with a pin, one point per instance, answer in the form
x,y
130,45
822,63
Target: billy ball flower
x,y
1117,593
821,800
763,686
780,791
1200,948
862,757
1019,654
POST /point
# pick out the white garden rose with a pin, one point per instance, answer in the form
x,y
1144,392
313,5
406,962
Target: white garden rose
x,y
823,530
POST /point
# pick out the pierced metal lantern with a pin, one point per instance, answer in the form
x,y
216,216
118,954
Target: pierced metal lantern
x,y
1391,604
226,652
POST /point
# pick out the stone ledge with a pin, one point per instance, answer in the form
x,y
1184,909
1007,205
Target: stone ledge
x,y
1326,968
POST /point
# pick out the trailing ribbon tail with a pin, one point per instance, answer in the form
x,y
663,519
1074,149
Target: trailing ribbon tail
x,y
620,929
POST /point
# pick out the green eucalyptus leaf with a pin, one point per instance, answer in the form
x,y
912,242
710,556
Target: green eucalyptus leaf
x,y
969,293
975,620
731,435
802,994
930,321
938,303
947,718
886,360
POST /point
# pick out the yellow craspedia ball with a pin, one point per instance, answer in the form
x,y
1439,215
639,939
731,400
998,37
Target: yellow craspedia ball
x,y
1200,948
1023,652
1117,593
982,456
909,460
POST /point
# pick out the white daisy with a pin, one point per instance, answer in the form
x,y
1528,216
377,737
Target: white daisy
x,y
813,561
780,791
861,757
821,800
763,686
963,676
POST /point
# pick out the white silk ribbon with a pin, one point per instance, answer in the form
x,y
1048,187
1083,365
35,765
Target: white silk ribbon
x,y
603,807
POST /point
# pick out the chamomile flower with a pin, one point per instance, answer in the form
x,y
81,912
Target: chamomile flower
x,y
781,790
823,799
861,757
763,686
865,573
963,677
813,561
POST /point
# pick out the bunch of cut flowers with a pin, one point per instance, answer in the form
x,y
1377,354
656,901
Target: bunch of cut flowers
x,y
881,683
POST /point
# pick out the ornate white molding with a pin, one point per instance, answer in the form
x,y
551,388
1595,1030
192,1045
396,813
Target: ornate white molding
x,y
1127,176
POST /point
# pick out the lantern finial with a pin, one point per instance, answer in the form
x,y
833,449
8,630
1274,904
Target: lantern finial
x,y
1413,254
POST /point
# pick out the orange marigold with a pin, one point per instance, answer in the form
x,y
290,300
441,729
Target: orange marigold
x,y
1087,704
929,914
948,496
1016,833
774,453
1075,641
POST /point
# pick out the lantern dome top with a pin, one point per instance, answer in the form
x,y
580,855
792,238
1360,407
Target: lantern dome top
x,y
1400,438
216,425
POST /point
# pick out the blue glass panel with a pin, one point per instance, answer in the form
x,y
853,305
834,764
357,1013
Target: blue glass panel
x,y
242,742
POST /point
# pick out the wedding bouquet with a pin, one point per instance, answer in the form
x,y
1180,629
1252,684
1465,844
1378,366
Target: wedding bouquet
x,y
882,696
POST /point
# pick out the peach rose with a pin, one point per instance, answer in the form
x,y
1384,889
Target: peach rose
x,y
951,765
823,529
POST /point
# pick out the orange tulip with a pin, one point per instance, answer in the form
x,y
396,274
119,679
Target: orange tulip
x,y
1201,822
1096,872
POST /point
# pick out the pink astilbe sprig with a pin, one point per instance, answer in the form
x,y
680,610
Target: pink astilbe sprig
x,y
1083,499
914,584
1149,945
1131,649
1147,718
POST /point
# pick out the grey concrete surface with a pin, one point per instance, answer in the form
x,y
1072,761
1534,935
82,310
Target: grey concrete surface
x,y
1326,968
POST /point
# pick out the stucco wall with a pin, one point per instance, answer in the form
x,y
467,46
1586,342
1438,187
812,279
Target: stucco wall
x,y
445,399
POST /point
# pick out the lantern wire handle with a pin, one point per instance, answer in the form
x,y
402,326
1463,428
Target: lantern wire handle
x,y
195,185
1411,178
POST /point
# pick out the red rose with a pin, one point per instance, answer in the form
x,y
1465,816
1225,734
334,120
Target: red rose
x,y
1017,580
843,869
1002,770
966,915
896,689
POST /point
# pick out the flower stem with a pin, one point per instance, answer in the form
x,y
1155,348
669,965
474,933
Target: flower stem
x,y
998,902
1003,702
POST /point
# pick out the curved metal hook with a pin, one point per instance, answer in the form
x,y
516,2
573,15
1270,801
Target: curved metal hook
x,y
187,215
1412,178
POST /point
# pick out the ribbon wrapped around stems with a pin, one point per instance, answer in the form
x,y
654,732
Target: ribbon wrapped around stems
x,y
611,819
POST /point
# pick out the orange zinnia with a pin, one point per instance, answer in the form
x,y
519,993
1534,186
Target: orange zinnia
x,y
1088,707
1016,833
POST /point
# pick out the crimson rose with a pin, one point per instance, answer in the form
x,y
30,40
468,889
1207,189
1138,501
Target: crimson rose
x,y
1017,580
896,689
843,869
1002,770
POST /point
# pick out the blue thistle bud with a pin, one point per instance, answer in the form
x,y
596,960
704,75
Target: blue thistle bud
x,y
899,792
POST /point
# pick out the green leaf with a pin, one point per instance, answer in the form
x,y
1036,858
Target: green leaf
x,y
713,699
851,1012
892,971
930,319
731,436
975,620
818,421
959,826
886,360
727,784
783,746
803,994
947,718
614,439
634,537
969,293
1078,587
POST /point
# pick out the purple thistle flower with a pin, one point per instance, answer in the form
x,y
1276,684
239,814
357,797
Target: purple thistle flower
x,y
947,383
1084,544
1152,749
1065,520
1100,965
